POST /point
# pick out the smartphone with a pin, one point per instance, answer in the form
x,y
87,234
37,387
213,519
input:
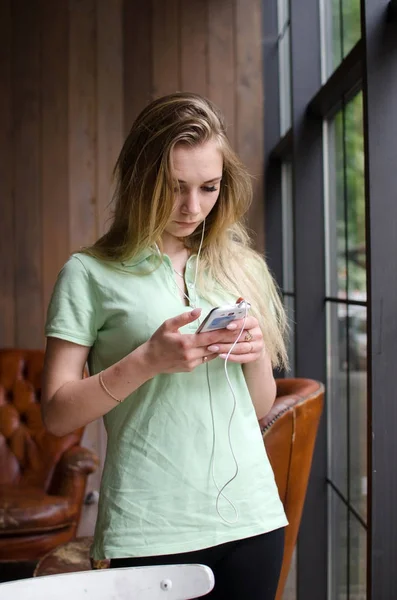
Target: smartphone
x,y
221,316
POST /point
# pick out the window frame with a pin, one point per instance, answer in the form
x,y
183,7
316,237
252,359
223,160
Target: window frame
x,y
313,101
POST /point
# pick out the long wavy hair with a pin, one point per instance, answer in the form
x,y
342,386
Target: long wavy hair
x,y
144,200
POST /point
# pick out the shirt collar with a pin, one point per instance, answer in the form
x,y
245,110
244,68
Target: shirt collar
x,y
139,258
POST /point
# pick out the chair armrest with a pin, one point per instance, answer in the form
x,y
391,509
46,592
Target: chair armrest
x,y
72,472
281,405
80,461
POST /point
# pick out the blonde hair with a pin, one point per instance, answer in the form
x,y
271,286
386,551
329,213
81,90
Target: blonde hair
x,y
144,200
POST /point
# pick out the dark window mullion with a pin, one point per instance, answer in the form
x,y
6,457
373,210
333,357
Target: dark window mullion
x,y
309,255
345,82
380,135
347,301
273,222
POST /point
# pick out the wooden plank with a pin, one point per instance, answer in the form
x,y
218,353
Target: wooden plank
x,y
109,102
54,19
28,216
137,32
82,122
250,104
194,46
109,140
221,60
166,51
7,247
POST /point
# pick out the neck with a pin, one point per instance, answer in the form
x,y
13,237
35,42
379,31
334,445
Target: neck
x,y
174,247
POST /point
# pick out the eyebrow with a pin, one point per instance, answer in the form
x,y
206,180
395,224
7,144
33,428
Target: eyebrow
x,y
209,181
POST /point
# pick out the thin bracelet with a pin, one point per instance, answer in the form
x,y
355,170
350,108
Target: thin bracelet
x,y
105,389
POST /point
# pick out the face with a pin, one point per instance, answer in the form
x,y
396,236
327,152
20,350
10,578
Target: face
x,y
198,170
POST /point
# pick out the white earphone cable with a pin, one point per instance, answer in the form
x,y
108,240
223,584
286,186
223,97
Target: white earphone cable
x,y
221,489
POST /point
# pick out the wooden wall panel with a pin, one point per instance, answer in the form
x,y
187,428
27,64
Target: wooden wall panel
x,y
109,130
54,141
83,166
74,74
26,170
250,104
109,95
221,61
7,247
82,122
166,47
194,46
137,31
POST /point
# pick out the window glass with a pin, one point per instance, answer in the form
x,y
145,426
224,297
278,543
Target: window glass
x,y
357,559
345,195
289,305
341,20
350,28
338,547
335,221
346,340
337,386
357,360
284,57
355,199
288,227
288,283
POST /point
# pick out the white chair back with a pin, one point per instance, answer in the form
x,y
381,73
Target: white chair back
x,y
169,582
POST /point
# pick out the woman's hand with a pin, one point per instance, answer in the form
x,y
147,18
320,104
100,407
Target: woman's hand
x,y
250,346
169,351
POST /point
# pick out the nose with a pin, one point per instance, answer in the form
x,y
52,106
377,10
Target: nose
x,y
191,202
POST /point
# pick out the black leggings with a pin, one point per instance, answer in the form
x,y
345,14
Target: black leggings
x,y
247,569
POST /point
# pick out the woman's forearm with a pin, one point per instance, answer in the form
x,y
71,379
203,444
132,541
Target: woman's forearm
x,y
77,403
261,384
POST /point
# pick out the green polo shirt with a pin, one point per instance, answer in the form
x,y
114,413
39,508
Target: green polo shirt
x,y
168,453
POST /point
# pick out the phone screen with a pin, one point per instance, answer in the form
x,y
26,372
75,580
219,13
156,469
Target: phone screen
x,y
220,317
219,322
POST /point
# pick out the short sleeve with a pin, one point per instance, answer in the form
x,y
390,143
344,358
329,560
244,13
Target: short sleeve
x,y
71,312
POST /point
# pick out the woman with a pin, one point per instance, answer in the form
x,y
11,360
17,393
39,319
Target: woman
x,y
186,476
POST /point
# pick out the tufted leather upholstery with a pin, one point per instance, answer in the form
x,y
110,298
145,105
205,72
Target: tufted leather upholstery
x,y
289,432
42,477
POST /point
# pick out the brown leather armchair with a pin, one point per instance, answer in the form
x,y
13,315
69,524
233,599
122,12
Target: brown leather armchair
x,y
289,433
42,477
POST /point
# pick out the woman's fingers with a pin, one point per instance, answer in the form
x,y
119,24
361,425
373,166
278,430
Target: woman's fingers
x,y
175,323
229,337
248,336
250,323
242,358
202,360
240,348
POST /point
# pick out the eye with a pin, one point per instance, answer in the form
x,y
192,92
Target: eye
x,y
210,188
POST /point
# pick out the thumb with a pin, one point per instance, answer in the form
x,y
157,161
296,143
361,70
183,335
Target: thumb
x,y
183,319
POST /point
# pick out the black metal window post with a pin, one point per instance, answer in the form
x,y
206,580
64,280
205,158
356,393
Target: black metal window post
x,y
307,162
380,119
273,222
